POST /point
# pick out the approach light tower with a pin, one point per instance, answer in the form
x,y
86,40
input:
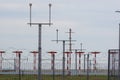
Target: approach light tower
x,y
53,62
17,60
63,57
79,53
70,38
1,52
95,63
52,59
70,50
68,62
35,58
39,39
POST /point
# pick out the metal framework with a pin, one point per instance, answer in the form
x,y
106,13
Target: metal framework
x,y
113,64
52,53
39,40
18,63
17,60
95,61
79,53
34,61
63,58
1,52
70,50
68,62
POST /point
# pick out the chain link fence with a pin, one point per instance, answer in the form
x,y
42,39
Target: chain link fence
x,y
28,70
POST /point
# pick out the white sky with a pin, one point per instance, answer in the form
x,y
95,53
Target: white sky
x,y
94,22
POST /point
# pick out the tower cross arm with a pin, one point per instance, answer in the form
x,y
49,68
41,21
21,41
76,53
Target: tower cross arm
x,y
63,40
40,23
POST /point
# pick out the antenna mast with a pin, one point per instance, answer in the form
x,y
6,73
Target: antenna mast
x,y
57,35
30,12
50,13
39,40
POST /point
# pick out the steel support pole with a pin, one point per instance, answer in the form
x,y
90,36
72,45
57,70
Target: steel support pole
x,y
1,62
39,54
19,66
79,62
53,63
119,56
76,61
87,66
63,58
70,48
63,74
30,12
108,65
95,63
84,61
53,66
34,62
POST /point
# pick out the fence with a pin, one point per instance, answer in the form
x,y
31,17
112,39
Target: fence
x,y
113,64
28,70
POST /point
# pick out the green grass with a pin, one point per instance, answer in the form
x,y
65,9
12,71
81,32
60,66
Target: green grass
x,y
49,77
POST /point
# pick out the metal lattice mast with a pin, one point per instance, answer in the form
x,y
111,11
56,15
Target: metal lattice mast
x,y
70,49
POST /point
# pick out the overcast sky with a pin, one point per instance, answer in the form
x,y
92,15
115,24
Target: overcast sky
x,y
94,23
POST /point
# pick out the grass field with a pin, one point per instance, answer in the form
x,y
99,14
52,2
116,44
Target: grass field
x,y
49,77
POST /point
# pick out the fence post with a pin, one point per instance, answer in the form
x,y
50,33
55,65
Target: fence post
x,y
108,64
